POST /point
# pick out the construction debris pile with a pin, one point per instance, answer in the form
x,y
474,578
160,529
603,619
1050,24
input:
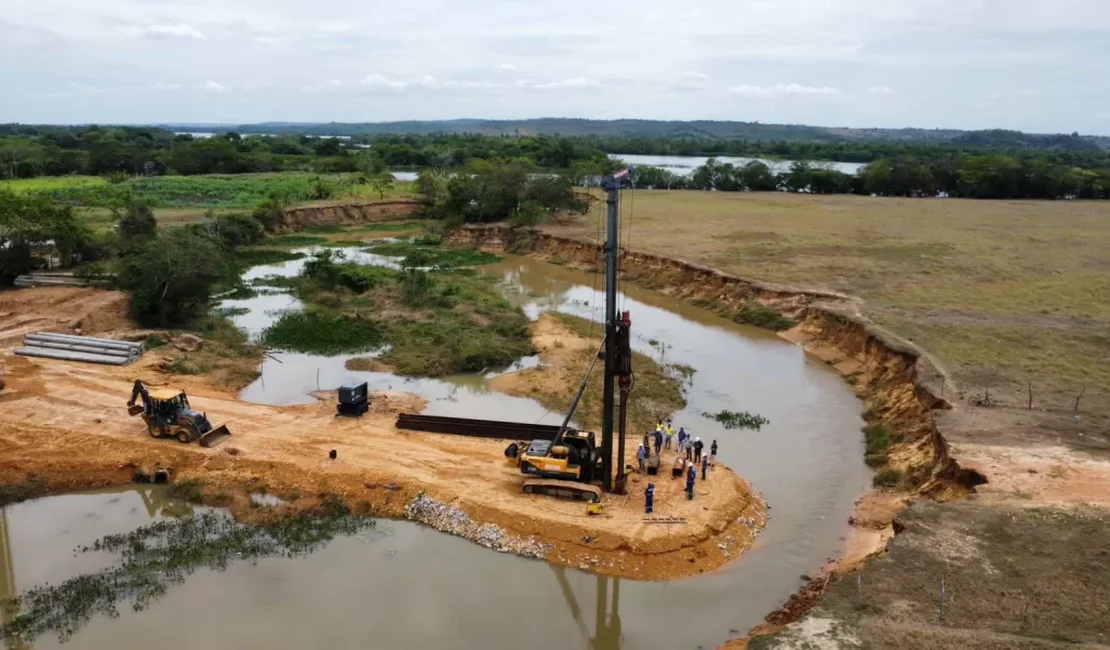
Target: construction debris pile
x,y
69,347
451,519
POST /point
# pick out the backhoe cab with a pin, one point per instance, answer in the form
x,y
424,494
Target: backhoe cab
x,y
167,414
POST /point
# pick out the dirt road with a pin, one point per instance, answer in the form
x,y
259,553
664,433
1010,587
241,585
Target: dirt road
x,y
67,423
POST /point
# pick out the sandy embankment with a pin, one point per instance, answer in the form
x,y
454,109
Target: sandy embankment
x,y
66,424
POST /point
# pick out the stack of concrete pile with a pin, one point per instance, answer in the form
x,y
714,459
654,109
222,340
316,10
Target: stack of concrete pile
x,y
69,347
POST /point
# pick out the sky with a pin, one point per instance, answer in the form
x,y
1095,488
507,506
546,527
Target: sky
x,y
1022,64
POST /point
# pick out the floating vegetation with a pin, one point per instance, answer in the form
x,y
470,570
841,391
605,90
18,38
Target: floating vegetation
x,y
435,255
323,334
164,553
297,240
228,312
741,420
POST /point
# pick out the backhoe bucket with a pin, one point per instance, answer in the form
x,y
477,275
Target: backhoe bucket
x,y
134,410
215,436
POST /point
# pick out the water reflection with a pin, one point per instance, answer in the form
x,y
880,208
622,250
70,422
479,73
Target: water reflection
x,y
607,616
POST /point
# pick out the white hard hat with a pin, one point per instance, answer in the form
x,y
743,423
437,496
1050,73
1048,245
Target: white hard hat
x,y
697,439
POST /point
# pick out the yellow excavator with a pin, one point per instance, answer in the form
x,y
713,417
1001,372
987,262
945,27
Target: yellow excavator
x,y
563,467
167,414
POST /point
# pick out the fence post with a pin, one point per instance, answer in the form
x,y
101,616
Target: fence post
x,y
1030,396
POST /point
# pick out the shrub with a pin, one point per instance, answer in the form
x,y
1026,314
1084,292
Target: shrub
x,y
316,333
888,477
763,317
878,438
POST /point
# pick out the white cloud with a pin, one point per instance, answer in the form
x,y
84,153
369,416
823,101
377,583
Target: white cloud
x,y
574,82
881,90
376,80
508,67
165,31
336,28
782,90
214,86
692,80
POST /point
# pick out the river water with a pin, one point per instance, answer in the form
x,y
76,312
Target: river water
x,y
685,165
418,588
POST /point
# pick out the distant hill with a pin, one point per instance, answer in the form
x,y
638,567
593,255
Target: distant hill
x,y
697,129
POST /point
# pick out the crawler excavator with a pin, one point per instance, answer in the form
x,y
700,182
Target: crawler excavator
x,y
167,414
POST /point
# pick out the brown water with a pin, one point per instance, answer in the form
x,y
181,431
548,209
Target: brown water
x,y
418,588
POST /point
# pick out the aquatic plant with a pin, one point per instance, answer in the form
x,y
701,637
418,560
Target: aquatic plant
x,y
741,420
163,554
317,333
436,255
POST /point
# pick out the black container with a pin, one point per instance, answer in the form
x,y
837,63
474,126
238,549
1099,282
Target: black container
x,y
353,409
353,393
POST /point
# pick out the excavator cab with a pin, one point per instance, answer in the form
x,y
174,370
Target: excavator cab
x,y
167,414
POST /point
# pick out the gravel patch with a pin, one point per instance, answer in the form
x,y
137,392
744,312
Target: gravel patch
x,y
451,519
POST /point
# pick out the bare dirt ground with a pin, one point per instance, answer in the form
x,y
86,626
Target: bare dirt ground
x,y
67,424
93,311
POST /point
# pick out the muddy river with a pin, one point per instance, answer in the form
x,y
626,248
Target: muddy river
x,y
417,588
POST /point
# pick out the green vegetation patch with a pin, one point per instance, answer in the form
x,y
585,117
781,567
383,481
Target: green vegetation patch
x,y
738,420
297,240
763,317
435,255
314,332
165,553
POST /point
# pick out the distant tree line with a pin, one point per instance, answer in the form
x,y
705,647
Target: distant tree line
x,y
1073,150
695,130
995,164
31,151
975,177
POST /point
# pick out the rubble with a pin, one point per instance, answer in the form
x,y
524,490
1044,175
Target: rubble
x,y
451,519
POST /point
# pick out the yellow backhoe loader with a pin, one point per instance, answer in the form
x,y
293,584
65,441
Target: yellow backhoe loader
x,y
167,415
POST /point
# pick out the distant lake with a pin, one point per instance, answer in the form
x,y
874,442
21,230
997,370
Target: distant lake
x,y
201,136
685,165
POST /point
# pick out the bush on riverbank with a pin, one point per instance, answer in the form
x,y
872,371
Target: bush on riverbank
x,y
435,323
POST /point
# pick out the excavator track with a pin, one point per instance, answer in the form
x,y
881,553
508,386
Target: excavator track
x,y
562,489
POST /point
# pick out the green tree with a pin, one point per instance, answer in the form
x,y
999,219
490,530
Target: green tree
x,y
137,221
169,277
382,183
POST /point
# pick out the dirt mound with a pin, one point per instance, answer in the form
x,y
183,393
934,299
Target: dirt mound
x,y
61,309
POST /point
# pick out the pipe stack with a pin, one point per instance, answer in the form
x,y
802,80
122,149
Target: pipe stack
x,y
69,347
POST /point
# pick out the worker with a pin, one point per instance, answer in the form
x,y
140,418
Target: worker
x,y
658,440
713,454
679,467
688,447
698,446
704,467
681,437
641,455
649,499
647,440
669,434
691,476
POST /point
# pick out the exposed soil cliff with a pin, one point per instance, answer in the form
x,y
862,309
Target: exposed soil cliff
x,y
347,214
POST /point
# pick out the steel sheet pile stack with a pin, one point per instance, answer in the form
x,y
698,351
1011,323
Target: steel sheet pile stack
x,y
69,347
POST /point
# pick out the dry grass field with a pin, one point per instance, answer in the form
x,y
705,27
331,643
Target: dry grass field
x,y
1003,293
